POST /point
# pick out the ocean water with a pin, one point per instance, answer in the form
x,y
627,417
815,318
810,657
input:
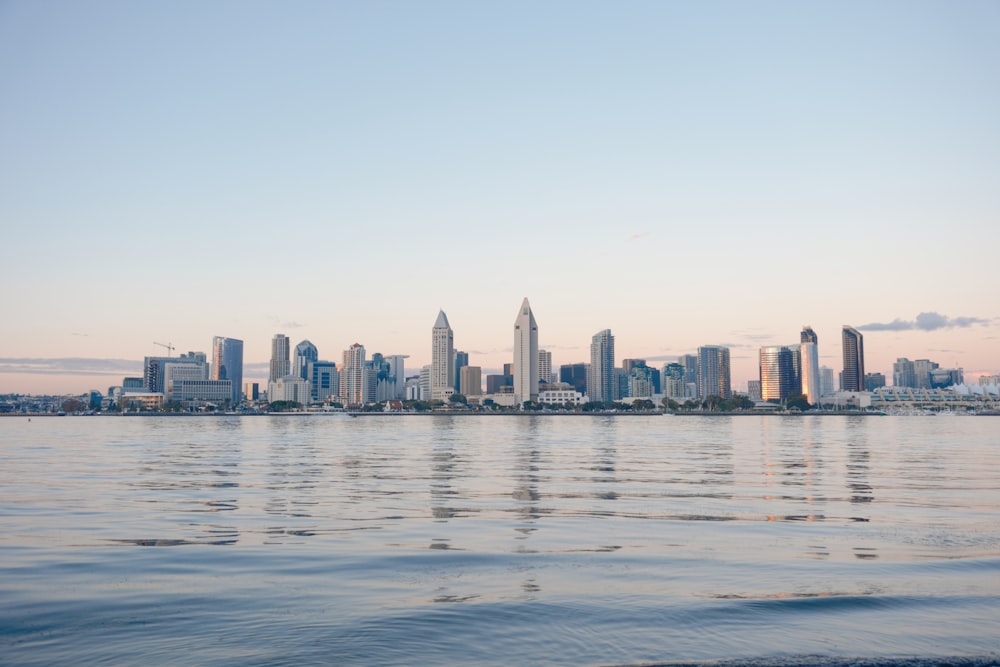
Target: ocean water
x,y
437,540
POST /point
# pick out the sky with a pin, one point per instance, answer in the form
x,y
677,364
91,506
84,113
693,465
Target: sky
x,y
682,173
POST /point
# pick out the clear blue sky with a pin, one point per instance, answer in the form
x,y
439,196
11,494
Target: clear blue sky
x,y
681,173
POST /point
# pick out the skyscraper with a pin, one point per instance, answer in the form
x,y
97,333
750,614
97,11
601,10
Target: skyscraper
x,y
442,359
713,372
810,364
280,362
544,366
352,376
690,363
304,353
461,361
601,382
397,367
674,382
576,375
525,355
853,377
779,371
227,364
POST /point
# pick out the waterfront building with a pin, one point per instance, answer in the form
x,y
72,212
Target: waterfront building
x,y
227,364
155,369
545,367
779,371
674,381
575,375
280,362
713,372
809,351
826,385
690,363
197,390
922,369
989,380
180,369
495,382
397,368
461,361
525,355
946,377
601,382
560,393
873,381
754,391
252,391
133,385
903,373
442,359
621,387
425,382
411,390
471,381
291,388
853,376
352,376
640,381
305,352
324,380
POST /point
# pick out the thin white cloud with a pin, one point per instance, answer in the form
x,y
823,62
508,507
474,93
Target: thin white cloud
x,y
70,366
929,321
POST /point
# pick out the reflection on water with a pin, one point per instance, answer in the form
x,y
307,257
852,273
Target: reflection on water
x,y
399,540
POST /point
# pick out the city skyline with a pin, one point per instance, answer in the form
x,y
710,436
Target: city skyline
x,y
683,174
443,336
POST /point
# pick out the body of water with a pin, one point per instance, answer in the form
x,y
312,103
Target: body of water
x,y
437,540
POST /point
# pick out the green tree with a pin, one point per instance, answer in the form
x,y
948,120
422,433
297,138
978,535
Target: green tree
x,y
458,398
73,405
796,401
284,406
712,403
670,404
643,405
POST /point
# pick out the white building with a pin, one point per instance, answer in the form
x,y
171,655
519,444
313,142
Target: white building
x,y
525,355
290,388
442,359
176,371
810,365
214,391
352,376
825,380
561,396
397,369
545,367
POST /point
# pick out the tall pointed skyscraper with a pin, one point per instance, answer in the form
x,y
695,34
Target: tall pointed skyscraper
x,y
442,359
853,377
525,355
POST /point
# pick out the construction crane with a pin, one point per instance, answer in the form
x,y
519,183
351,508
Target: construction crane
x,y
169,346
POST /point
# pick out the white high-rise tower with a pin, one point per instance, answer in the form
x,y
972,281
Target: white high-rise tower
x,y
810,365
525,355
442,359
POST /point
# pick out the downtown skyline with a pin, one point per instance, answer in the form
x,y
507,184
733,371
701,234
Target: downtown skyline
x,y
683,174
744,360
